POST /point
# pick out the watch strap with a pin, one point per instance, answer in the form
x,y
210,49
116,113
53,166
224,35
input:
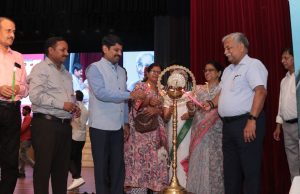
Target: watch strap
x,y
251,117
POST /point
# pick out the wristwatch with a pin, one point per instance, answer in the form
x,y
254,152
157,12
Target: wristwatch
x,y
251,117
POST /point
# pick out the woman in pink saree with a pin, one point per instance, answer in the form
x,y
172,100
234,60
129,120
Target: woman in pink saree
x,y
205,174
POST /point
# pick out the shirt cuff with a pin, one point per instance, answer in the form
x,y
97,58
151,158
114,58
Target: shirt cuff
x,y
23,91
279,119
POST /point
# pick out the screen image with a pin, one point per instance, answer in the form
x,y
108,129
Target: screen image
x,y
135,62
295,17
30,60
76,63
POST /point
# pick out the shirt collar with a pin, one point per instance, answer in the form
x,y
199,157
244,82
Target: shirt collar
x,y
114,67
49,62
79,103
290,75
244,61
9,50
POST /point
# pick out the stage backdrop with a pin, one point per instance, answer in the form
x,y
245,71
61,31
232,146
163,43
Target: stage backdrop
x,y
295,18
266,23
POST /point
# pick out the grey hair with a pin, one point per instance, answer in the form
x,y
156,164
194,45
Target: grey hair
x,y
238,37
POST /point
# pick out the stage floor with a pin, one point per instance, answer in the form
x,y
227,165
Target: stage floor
x,y
25,185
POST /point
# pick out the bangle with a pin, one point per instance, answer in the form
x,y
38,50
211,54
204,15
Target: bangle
x,y
211,104
191,113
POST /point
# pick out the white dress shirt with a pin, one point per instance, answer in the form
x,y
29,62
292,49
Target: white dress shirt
x,y
79,124
237,86
287,108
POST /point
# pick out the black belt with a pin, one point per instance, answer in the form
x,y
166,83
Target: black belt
x,y
233,118
291,121
51,118
9,103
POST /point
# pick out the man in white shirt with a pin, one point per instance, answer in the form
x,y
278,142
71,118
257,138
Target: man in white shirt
x,y
287,114
240,106
78,141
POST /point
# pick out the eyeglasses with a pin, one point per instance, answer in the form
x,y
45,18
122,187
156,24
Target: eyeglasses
x,y
155,72
208,70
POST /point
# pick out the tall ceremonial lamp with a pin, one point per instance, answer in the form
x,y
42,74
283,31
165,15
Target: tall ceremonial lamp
x,y
177,85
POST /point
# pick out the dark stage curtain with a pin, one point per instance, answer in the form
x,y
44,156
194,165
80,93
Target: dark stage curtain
x,y
171,40
83,23
172,34
87,58
266,23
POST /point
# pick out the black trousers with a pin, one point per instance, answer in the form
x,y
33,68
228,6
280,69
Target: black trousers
x,y
51,141
76,157
242,161
10,125
108,155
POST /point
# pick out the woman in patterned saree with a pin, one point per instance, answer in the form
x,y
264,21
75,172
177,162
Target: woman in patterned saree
x,y
205,174
145,153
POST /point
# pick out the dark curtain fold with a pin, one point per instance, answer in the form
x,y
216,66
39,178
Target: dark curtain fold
x,y
266,23
83,22
87,58
172,34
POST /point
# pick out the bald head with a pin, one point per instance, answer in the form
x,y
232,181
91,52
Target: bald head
x,y
5,18
7,32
